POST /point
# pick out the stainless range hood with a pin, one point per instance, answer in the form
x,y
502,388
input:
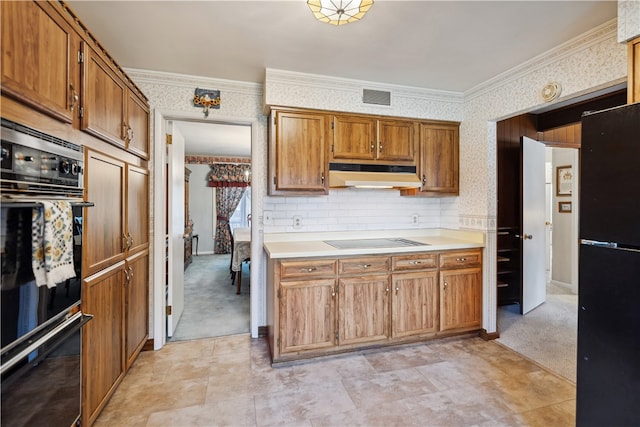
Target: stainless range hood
x,y
372,176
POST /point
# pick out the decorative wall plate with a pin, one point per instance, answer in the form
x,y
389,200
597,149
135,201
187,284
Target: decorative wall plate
x,y
551,91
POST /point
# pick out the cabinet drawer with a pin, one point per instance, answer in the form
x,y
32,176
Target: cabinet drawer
x,y
460,259
363,265
414,262
310,268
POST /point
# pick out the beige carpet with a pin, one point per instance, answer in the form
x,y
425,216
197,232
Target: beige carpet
x,y
547,335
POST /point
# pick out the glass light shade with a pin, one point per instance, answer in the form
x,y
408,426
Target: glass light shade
x,y
339,12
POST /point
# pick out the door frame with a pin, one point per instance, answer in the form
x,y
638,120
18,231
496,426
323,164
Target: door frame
x,y
158,303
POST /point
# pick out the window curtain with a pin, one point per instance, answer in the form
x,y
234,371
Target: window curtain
x,y
230,181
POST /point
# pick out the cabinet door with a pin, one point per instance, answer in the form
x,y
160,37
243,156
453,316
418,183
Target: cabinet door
x,y
363,309
354,138
38,53
415,303
102,339
137,189
104,223
136,305
138,125
439,158
460,298
396,140
307,315
103,100
299,154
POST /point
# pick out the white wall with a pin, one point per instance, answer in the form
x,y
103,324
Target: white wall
x,y
565,225
201,207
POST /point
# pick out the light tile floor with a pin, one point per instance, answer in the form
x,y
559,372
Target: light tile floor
x,y
229,381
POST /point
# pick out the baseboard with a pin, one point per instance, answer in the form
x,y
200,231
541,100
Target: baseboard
x,y
564,285
488,336
148,346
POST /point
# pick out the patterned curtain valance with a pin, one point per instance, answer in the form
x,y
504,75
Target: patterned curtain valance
x,y
229,175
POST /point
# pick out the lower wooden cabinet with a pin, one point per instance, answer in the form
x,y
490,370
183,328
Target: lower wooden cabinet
x,y
327,305
117,298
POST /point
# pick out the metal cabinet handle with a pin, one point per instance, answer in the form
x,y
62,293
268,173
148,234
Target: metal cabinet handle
x,y
373,146
380,147
415,262
366,265
461,259
308,269
445,286
73,97
397,289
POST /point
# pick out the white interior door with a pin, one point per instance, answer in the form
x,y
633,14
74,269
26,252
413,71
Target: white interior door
x,y
534,287
175,272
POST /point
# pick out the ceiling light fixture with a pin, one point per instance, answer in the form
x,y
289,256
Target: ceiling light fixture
x,y
339,12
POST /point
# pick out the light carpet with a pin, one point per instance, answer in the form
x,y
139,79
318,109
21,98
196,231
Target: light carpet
x,y
211,306
547,334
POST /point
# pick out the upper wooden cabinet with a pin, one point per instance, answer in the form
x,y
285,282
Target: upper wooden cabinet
x,y
297,153
369,139
110,110
51,64
633,75
438,167
39,63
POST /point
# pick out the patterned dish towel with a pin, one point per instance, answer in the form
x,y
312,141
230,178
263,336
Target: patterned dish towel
x,y
52,243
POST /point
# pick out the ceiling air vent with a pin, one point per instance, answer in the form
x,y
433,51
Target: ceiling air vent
x,y
378,97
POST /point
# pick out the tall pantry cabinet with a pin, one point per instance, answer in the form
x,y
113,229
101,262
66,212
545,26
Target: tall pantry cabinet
x,y
58,79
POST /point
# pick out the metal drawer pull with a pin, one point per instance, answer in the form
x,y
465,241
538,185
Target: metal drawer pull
x,y
461,259
366,265
308,269
415,262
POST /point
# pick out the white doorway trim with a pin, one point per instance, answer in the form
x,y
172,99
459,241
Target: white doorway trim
x,y
158,308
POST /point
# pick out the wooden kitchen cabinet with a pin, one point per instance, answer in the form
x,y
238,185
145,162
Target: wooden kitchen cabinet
x,y
298,153
438,165
365,139
460,290
137,209
136,306
102,339
415,295
110,110
329,305
39,64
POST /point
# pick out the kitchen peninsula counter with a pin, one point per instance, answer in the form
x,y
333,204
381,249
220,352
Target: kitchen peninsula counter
x,y
324,300
305,245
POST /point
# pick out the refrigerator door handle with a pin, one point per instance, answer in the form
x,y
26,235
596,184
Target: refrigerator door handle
x,y
598,243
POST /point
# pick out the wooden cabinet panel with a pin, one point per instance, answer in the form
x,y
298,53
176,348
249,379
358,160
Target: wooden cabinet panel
x,y
363,309
633,75
103,100
396,140
460,259
439,158
363,265
309,268
137,126
136,308
415,303
298,154
307,315
460,298
414,262
354,137
104,223
102,356
39,58
137,206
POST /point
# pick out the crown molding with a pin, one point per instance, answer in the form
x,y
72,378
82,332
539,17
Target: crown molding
x,y
189,81
607,30
318,81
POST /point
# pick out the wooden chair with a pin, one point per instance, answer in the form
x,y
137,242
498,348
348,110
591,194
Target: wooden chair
x,y
236,273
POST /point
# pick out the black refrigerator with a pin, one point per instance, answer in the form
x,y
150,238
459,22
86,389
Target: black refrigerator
x,y
608,365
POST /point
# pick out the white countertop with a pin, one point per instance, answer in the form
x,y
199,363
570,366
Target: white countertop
x,y
303,245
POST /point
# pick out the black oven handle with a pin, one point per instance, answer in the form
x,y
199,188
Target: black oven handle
x,y
57,334
36,204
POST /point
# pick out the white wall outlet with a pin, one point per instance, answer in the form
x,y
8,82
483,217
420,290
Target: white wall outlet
x,y
267,218
415,219
297,221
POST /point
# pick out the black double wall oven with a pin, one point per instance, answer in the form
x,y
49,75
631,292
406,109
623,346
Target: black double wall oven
x,y
41,323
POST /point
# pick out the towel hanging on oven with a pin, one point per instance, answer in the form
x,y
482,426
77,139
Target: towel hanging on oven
x,y
52,243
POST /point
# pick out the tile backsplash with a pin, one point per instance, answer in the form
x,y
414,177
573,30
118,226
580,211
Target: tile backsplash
x,y
358,209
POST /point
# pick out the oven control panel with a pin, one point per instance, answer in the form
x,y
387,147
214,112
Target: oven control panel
x,y
30,157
